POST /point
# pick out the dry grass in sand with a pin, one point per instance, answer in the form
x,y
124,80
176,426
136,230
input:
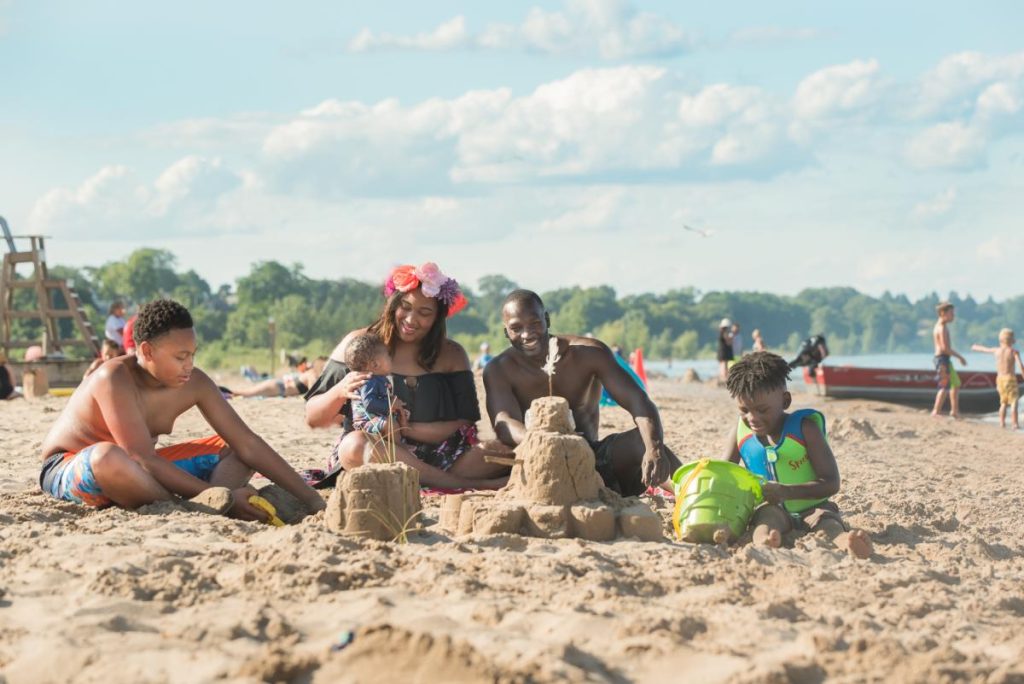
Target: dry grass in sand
x,y
113,596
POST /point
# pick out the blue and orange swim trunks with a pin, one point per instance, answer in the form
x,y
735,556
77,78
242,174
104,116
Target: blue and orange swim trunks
x,y
68,475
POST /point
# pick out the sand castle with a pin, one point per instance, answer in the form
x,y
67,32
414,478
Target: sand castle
x,y
553,491
377,501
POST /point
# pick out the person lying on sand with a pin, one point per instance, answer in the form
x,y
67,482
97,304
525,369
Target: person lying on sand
x,y
629,461
291,384
101,450
790,451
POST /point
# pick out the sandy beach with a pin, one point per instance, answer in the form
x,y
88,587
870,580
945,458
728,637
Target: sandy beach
x,y
115,596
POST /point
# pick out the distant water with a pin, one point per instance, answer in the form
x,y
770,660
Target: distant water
x,y
708,368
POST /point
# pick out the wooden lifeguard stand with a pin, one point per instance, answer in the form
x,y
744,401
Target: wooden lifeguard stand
x,y
44,308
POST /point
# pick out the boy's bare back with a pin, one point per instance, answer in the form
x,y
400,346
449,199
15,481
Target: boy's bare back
x,y
1006,358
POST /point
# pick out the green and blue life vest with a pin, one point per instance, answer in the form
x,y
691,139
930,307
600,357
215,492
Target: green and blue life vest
x,y
785,462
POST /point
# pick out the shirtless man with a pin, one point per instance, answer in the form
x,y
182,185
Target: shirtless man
x,y
101,450
629,461
949,381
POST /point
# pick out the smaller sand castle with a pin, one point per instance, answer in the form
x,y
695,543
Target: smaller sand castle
x,y
377,501
553,491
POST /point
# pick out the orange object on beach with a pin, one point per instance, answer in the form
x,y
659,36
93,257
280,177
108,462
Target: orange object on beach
x,y
638,364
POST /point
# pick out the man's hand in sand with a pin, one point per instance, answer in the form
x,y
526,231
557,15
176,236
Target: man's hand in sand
x,y
655,468
242,509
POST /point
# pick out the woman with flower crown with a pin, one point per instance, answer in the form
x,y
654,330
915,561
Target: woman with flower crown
x,y
433,382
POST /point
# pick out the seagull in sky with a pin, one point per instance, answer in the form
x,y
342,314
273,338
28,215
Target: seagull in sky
x,y
698,231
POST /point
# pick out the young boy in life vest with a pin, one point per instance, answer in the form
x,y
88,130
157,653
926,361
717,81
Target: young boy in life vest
x,y
790,452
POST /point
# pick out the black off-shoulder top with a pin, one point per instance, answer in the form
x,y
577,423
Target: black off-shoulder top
x,y
430,397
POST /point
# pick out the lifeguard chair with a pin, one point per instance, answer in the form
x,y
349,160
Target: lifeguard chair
x,y
45,307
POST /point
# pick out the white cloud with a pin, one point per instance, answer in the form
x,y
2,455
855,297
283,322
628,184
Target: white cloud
x,y
771,35
977,99
935,207
600,209
999,107
740,124
115,202
449,35
1001,249
194,181
952,87
950,145
623,121
246,129
838,91
611,29
110,192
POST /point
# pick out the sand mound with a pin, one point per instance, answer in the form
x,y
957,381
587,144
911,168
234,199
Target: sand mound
x,y
376,501
553,491
386,654
853,429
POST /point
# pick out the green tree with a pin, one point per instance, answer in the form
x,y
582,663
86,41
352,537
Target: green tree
x,y
145,275
686,345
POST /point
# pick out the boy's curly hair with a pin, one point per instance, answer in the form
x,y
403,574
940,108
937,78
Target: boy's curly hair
x,y
160,317
362,349
756,373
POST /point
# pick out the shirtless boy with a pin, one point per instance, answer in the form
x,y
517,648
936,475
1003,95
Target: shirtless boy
x,y
949,381
629,461
1007,362
101,450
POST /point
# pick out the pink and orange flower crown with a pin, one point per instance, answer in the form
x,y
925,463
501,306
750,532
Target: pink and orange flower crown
x,y
432,283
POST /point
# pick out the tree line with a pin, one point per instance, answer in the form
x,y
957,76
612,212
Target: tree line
x,y
311,314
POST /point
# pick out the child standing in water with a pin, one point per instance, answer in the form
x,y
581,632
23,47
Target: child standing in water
x,y
1006,377
758,344
790,452
948,380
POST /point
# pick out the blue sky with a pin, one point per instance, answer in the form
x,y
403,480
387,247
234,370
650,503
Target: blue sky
x,y
558,143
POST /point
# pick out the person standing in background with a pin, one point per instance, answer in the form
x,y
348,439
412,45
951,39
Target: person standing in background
x,y
737,341
758,341
114,329
725,354
948,380
484,358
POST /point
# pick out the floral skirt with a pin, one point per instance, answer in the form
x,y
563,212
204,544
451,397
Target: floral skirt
x,y
443,455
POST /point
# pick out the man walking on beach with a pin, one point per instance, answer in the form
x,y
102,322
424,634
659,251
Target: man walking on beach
x,y
101,450
629,461
949,381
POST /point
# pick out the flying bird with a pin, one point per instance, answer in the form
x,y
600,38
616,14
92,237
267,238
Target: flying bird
x,y
698,231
